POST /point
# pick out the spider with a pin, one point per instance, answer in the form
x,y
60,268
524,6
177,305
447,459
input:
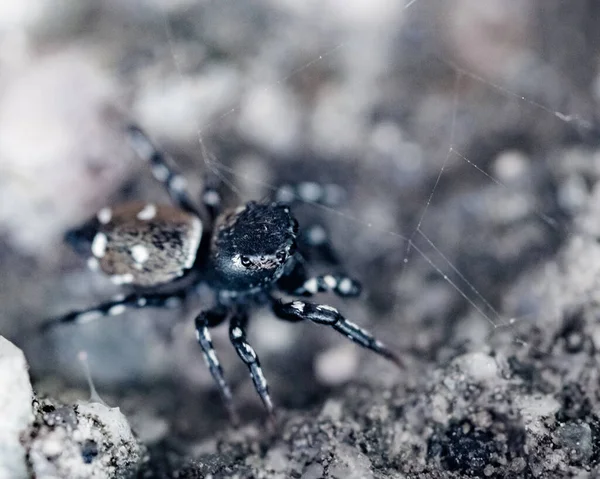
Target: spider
x,y
244,255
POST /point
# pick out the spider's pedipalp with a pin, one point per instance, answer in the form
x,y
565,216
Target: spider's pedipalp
x,y
237,335
204,321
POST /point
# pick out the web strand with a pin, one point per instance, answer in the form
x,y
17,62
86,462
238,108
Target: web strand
x,y
222,171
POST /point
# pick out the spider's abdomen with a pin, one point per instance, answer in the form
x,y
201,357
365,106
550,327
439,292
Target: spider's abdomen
x,y
145,244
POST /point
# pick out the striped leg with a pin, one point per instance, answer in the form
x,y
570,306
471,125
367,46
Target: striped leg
x,y
117,306
162,168
310,192
339,284
237,335
329,316
204,321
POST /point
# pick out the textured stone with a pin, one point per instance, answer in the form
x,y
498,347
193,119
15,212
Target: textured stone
x,y
16,411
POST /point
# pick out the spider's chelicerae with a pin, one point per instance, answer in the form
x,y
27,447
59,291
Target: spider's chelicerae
x,y
245,255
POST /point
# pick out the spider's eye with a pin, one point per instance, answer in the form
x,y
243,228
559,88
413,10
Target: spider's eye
x,y
281,256
245,261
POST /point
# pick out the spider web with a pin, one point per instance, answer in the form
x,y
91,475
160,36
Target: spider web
x,y
414,241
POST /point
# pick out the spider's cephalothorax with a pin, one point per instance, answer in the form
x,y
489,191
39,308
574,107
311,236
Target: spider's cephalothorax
x,y
245,255
251,246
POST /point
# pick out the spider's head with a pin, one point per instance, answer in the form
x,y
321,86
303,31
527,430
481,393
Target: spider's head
x,y
252,245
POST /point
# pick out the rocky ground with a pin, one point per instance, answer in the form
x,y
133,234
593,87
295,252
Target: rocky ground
x,y
484,113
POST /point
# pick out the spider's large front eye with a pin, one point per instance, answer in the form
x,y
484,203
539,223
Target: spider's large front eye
x,y
245,261
281,256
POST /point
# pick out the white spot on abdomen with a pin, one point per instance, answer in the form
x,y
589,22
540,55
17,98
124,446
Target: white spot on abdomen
x,y
99,245
147,213
139,253
194,242
104,215
122,278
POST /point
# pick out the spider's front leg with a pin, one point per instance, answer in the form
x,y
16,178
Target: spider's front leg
x,y
322,314
237,335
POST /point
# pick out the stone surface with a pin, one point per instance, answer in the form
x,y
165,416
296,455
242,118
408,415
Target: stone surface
x,y
82,441
15,410
46,439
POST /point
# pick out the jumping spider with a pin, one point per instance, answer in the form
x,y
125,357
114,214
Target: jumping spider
x,y
244,255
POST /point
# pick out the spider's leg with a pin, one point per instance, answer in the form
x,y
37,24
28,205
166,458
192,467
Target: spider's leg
x,y
204,321
322,314
310,192
115,307
297,283
237,335
211,198
315,237
340,284
162,168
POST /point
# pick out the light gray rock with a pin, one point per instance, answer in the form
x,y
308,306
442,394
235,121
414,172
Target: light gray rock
x,y
15,409
82,441
46,440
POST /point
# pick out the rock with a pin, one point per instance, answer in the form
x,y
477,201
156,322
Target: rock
x,y
46,439
15,410
82,441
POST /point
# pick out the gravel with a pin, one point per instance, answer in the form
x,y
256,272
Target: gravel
x,y
15,410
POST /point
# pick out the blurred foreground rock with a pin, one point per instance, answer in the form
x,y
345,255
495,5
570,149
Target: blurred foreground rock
x,y
15,409
44,439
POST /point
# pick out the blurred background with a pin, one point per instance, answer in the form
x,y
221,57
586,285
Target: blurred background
x,y
467,126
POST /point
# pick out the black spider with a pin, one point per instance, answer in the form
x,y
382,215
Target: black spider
x,y
244,255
